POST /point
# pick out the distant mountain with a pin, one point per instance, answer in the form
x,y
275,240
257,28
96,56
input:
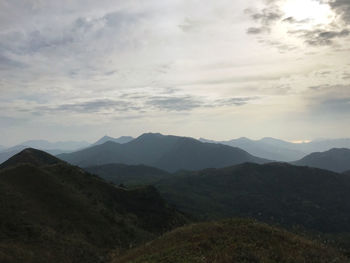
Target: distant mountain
x,y
235,240
65,146
55,212
276,193
337,160
121,140
347,172
129,175
170,153
268,148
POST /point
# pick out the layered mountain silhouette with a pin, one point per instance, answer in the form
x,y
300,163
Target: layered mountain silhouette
x,y
128,175
277,193
279,150
268,148
121,140
337,160
55,212
232,241
170,153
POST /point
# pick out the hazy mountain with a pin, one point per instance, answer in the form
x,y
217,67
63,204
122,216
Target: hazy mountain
x,y
65,146
2,148
279,150
277,193
347,172
121,140
268,148
337,160
55,212
170,153
128,175
232,241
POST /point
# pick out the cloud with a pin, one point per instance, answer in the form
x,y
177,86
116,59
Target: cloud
x,y
235,101
257,30
292,20
319,37
342,7
184,103
266,16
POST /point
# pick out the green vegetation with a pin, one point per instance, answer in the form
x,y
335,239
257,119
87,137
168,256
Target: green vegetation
x,y
129,175
278,193
239,241
59,213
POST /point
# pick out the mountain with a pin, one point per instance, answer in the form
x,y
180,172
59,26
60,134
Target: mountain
x,y
54,148
64,146
277,193
337,160
170,153
121,140
129,175
268,148
347,172
55,212
240,241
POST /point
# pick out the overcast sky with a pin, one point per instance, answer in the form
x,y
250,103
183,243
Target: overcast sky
x,y
80,69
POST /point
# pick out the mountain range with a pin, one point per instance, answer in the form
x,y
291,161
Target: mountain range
x,y
277,193
279,150
54,212
170,153
337,160
121,140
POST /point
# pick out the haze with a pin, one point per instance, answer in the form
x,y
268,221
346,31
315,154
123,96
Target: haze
x,y
215,69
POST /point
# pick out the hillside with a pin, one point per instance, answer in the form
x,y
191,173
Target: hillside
x,y
54,212
170,153
129,175
337,160
276,193
239,241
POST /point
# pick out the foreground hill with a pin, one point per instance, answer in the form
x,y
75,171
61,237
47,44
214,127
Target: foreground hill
x,y
128,175
170,153
276,193
337,160
239,241
54,212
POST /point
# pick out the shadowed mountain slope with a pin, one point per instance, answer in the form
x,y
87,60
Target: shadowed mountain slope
x,y
170,153
129,175
239,241
54,212
337,160
277,193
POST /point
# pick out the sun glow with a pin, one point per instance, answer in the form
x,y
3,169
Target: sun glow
x,y
310,12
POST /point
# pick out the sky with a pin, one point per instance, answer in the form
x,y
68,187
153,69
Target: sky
x,y
80,69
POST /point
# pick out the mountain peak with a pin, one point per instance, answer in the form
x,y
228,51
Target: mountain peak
x,y
31,156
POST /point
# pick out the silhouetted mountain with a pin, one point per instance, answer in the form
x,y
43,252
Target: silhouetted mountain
x,y
128,175
276,193
170,153
347,172
31,156
121,140
239,241
268,148
52,148
55,212
337,160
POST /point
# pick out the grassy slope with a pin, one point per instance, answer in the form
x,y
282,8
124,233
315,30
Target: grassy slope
x,y
59,213
239,241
